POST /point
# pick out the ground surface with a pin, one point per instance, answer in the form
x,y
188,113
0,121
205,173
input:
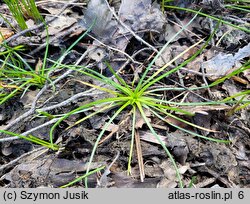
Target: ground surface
x,y
129,44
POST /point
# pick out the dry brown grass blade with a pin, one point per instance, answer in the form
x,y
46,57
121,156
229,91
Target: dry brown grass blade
x,y
139,155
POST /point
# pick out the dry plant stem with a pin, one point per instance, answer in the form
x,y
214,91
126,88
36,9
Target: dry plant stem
x,y
239,21
189,31
40,25
205,80
189,90
71,99
193,165
15,161
84,3
133,56
194,72
181,25
180,76
52,39
67,73
139,155
111,48
30,131
132,32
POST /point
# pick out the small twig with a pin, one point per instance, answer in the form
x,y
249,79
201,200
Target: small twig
x,y
233,19
181,25
112,48
211,25
84,3
71,99
103,180
69,71
30,131
132,32
195,72
205,80
52,39
33,105
133,56
187,89
64,103
15,161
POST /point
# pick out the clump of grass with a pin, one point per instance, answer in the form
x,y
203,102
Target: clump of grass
x,y
16,75
141,98
22,8
137,99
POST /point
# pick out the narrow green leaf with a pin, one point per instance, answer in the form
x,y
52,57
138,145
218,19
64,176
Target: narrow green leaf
x,y
161,142
91,104
209,16
32,139
185,130
82,177
100,136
